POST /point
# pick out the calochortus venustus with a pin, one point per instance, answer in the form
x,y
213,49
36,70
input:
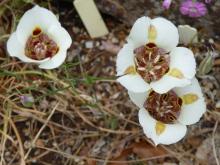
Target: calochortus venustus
x,y
151,58
160,78
39,38
164,116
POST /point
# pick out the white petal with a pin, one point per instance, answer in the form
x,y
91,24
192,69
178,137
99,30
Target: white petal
x,y
167,33
60,36
138,98
15,49
35,17
125,59
139,32
191,113
167,82
134,83
183,59
55,61
187,34
172,133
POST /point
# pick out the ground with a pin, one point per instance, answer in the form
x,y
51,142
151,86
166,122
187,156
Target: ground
x,y
81,115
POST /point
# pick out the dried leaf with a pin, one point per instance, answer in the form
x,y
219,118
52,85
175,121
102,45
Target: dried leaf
x,y
217,62
143,150
91,162
146,150
112,7
123,156
217,45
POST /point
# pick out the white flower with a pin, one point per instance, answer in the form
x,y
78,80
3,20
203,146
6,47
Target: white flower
x,y
151,59
164,116
39,38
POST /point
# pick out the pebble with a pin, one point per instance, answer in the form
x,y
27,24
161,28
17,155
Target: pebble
x,y
27,144
34,161
68,151
211,41
97,44
89,44
217,105
76,30
114,40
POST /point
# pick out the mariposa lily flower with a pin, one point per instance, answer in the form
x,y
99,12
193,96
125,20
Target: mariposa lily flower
x,y
39,38
151,59
164,116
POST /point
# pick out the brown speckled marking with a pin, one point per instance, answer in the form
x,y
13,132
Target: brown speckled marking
x,y
39,46
151,62
164,107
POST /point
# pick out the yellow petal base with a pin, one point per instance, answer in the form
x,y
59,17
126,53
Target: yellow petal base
x,y
160,128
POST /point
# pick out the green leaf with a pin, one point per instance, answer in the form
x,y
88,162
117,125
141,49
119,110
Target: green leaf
x,y
89,80
206,65
113,123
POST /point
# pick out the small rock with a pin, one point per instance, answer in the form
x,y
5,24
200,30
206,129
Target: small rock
x,y
89,44
44,104
166,163
68,151
76,30
211,41
97,147
97,44
34,161
27,144
115,40
217,105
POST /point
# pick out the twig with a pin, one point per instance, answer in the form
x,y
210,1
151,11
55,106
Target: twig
x,y
85,119
213,143
18,138
41,129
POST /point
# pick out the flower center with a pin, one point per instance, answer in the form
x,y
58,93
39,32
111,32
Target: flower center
x,y
164,107
151,62
39,46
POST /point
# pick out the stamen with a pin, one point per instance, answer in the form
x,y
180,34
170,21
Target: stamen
x,y
157,59
157,67
141,68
